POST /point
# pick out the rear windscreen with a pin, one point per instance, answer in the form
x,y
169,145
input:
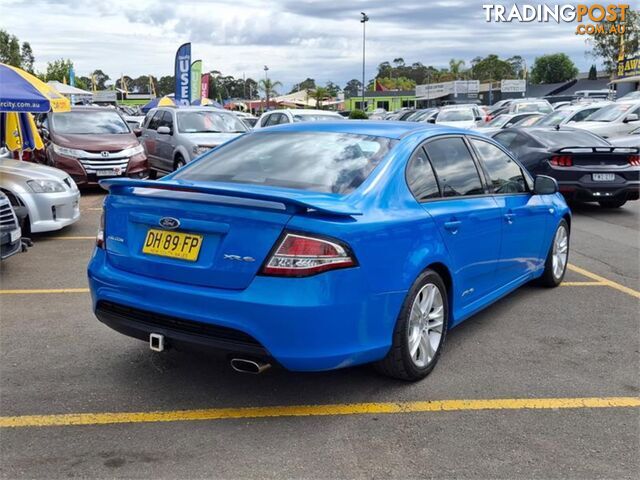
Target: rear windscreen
x,y
328,162
569,138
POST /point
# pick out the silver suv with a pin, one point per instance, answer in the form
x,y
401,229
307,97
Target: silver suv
x,y
172,136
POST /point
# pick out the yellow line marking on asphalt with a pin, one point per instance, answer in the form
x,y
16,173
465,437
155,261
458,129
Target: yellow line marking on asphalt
x,y
43,291
605,281
318,410
582,284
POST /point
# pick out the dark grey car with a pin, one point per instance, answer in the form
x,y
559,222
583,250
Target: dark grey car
x,y
172,136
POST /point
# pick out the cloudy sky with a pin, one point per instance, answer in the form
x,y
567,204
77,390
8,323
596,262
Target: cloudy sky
x,y
321,39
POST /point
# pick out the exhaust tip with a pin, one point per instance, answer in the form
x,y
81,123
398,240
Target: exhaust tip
x,y
244,365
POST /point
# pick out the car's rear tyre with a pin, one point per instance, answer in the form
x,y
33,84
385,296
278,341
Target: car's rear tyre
x,y
612,203
420,330
179,162
555,265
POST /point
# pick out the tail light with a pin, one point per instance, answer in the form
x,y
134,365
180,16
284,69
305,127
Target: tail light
x,y
304,255
634,160
100,234
561,161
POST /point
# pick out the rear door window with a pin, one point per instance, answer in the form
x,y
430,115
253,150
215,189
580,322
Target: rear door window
x,y
505,176
455,169
155,120
420,177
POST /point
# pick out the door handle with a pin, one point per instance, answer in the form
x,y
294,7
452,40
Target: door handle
x,y
509,217
452,225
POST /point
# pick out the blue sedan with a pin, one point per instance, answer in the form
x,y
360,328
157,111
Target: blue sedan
x,y
325,245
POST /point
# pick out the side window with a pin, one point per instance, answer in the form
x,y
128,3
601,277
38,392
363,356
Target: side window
x,y
420,177
283,119
167,120
265,120
155,121
578,117
505,175
456,171
274,119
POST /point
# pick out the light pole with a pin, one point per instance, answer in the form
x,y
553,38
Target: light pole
x,y
363,21
266,87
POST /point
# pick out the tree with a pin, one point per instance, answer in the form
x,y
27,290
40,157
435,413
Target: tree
x,y
26,57
127,83
333,89
268,86
83,83
101,79
320,94
456,67
553,68
398,62
352,88
593,73
491,68
165,85
518,64
307,84
10,49
607,46
58,70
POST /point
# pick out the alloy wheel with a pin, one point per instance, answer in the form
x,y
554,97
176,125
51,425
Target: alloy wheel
x,y
560,251
426,324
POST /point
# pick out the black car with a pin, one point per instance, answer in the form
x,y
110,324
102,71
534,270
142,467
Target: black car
x,y
586,166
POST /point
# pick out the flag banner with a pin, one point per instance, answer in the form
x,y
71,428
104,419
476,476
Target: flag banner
x,y
196,85
72,77
204,86
183,75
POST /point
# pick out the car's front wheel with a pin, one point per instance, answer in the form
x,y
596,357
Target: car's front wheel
x,y
612,203
556,263
420,331
179,162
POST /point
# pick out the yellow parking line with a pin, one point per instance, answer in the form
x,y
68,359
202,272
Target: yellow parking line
x,y
582,284
318,410
44,290
605,281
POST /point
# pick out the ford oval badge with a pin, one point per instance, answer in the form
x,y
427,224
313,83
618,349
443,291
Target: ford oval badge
x,y
169,222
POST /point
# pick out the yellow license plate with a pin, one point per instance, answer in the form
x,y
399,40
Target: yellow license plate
x,y
185,246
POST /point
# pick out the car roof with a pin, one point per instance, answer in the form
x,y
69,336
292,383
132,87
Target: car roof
x,y
375,128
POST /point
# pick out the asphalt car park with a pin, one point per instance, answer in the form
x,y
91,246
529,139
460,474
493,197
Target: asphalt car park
x,y
542,384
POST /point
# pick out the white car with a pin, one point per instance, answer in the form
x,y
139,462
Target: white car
x,y
571,114
615,120
530,105
630,140
462,117
46,197
281,117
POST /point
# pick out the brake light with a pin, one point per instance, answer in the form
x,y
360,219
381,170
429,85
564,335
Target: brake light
x,y
634,160
303,255
100,234
561,161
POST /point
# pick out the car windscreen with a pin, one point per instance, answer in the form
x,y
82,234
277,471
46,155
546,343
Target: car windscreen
x,y
555,118
209,122
499,121
88,123
569,138
609,113
533,107
462,115
316,118
329,162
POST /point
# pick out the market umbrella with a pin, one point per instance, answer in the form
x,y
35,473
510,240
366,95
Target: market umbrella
x,y
18,131
158,102
206,102
22,92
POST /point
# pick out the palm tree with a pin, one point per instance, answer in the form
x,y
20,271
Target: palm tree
x,y
319,95
269,88
455,66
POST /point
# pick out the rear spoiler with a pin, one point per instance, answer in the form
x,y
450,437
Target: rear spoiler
x,y
627,150
321,202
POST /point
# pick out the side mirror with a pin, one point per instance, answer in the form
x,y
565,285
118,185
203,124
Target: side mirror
x,y
544,185
164,130
138,131
431,120
632,117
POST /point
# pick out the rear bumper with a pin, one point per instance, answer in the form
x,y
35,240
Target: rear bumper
x,y
305,324
577,183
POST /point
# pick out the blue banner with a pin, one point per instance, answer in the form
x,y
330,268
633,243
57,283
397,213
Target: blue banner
x,y
183,75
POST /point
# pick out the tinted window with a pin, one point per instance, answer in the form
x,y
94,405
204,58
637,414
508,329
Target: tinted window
x,y
155,121
456,171
505,138
89,122
274,119
166,120
420,177
264,121
505,175
580,116
316,161
568,138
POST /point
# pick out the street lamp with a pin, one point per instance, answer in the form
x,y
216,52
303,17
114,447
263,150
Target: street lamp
x,y
363,21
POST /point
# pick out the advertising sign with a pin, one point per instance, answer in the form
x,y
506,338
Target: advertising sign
x,y
434,90
204,86
629,66
183,75
196,80
513,86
